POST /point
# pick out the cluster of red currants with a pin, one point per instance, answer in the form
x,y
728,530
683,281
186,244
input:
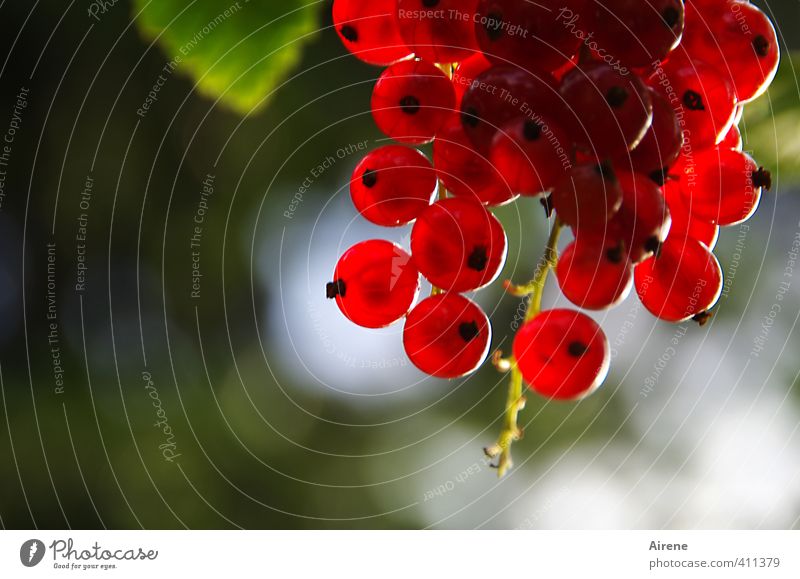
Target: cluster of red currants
x,y
620,116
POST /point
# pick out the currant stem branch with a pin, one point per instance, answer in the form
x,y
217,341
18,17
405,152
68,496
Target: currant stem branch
x,y
515,401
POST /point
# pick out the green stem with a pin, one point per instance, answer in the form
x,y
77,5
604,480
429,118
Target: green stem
x,y
515,401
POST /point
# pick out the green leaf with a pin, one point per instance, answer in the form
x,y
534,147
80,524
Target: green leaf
x,y
771,124
238,51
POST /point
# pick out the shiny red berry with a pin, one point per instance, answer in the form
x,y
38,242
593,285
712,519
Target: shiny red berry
x,y
466,72
722,185
369,30
465,171
643,220
438,30
502,94
635,33
562,354
684,224
447,336
682,281
532,156
529,35
587,197
458,245
732,139
739,40
702,98
411,101
374,284
609,112
594,275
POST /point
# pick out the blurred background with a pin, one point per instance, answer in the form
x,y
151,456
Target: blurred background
x,y
173,198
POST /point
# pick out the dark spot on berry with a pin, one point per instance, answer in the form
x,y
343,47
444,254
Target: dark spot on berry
x,y
616,96
616,254
547,203
369,178
606,171
762,178
653,245
671,16
577,349
469,331
702,318
532,131
761,46
335,288
494,26
478,259
409,105
659,176
469,117
349,33
430,3
693,101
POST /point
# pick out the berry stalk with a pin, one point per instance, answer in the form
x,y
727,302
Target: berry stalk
x,y
515,401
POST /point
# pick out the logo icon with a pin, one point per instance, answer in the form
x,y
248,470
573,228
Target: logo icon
x,y
32,552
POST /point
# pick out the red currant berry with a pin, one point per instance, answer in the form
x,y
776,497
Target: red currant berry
x,y
375,283
531,155
527,34
411,101
466,73
643,221
392,185
702,99
562,354
634,31
732,140
447,336
501,94
661,144
722,185
466,172
438,30
458,245
609,112
739,40
588,197
594,275
684,224
369,30
682,281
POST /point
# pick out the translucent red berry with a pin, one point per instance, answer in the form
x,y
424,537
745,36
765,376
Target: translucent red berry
x,y
722,185
732,139
466,72
659,148
643,220
609,112
532,156
684,224
465,171
369,30
739,40
375,283
447,336
587,197
701,96
527,34
562,354
682,281
392,185
636,33
411,101
594,275
458,245
438,30
502,94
